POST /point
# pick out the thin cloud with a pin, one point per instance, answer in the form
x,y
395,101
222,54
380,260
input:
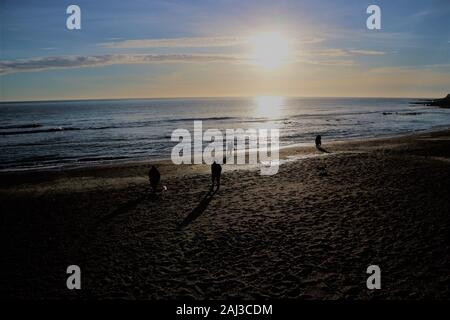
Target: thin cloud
x,y
64,62
343,53
367,52
442,68
192,42
332,62
328,53
423,13
311,40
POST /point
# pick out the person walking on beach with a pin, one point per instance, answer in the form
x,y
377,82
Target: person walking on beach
x,y
154,177
318,141
216,171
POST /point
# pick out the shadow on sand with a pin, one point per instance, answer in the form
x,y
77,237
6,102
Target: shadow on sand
x,y
198,210
128,206
322,149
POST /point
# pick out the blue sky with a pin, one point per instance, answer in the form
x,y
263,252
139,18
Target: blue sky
x,y
133,49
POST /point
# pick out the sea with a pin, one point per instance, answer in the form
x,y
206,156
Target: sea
x,y
58,134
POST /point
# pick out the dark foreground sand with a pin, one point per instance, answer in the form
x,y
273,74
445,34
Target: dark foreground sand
x,y
308,232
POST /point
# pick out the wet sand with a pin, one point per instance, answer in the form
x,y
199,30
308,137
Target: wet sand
x,y
309,232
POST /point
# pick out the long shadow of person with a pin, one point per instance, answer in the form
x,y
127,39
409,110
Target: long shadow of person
x,y
198,210
322,149
126,207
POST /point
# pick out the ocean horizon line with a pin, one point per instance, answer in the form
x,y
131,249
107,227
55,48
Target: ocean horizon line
x,y
212,98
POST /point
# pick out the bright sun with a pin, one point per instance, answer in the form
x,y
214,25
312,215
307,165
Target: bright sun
x,y
270,50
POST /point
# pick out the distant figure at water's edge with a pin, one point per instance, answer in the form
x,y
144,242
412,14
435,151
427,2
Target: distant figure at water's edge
x,y
319,144
318,141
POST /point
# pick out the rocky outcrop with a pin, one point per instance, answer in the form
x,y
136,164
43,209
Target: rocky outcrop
x,y
443,102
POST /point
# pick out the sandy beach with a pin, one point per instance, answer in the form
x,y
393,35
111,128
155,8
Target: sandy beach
x,y
308,232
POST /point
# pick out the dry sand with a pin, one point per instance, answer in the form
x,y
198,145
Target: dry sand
x,y
308,232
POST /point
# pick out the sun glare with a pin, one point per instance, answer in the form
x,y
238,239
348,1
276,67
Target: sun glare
x,y
270,50
268,106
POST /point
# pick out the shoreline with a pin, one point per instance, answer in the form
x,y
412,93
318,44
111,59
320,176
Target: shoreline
x,y
158,160
121,175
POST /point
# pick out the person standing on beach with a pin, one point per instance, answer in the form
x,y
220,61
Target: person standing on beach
x,y
318,141
154,177
216,171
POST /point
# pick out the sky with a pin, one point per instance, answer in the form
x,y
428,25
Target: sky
x,y
222,48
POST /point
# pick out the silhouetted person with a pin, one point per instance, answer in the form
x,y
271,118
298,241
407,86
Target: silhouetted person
x,y
216,171
319,144
154,177
318,141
